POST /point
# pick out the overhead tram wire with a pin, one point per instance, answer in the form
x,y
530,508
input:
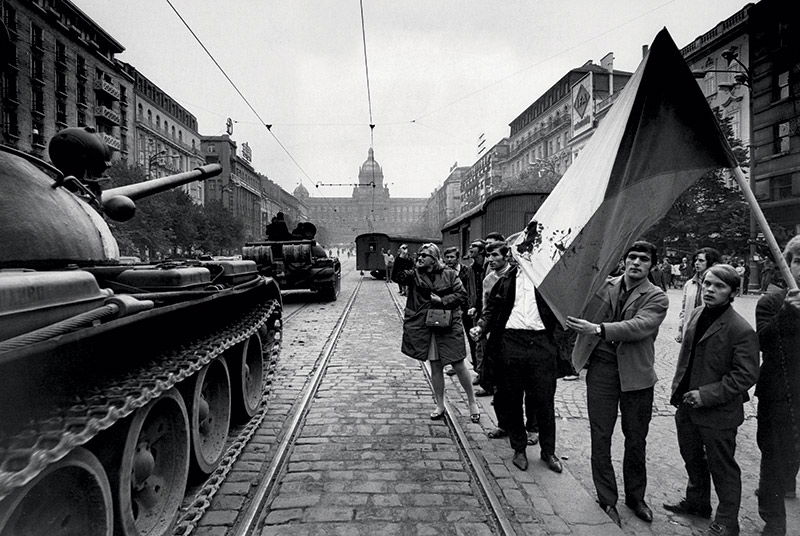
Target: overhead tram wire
x,y
369,102
252,109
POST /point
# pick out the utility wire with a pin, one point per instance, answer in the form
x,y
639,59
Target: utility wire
x,y
366,69
267,126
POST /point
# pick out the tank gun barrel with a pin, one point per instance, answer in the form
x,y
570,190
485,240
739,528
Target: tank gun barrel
x,y
154,186
118,203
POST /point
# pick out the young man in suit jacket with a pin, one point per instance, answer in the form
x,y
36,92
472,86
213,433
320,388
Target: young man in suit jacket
x,y
717,364
617,345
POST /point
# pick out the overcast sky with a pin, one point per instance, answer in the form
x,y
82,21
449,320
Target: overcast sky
x,y
441,72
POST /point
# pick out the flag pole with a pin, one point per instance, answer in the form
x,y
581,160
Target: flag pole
x,y
758,214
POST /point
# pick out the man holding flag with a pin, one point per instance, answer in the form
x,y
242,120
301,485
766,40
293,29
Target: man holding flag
x,y
619,352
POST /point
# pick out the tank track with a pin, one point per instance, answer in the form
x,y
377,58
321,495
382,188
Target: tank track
x,y
28,453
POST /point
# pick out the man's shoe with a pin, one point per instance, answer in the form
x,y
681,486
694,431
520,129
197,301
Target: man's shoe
x,y
553,463
533,438
497,433
771,529
480,391
611,511
641,510
683,507
520,460
718,529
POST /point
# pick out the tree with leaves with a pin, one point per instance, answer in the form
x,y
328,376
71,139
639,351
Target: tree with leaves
x,y
712,212
539,176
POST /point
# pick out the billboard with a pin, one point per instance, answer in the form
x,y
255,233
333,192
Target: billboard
x,y
582,105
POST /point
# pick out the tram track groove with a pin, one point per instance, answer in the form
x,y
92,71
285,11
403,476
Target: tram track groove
x,y
502,522
280,458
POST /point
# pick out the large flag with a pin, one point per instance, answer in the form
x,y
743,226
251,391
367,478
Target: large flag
x,y
656,141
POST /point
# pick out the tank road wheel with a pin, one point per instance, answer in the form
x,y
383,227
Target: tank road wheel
x,y
71,497
208,401
246,364
149,467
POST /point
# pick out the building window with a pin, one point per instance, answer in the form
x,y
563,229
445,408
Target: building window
x,y
61,113
158,121
780,88
37,132
781,137
81,70
140,113
149,117
37,41
780,187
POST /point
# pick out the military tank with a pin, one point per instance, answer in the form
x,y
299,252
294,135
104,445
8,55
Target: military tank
x,y
119,381
295,260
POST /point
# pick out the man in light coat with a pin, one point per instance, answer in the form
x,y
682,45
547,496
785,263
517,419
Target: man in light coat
x,y
617,346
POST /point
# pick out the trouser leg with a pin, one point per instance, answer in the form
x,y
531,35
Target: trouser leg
x,y
510,389
778,462
721,449
530,411
698,487
602,399
540,385
636,408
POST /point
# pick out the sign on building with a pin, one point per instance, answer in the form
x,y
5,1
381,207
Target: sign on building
x,y
582,105
247,153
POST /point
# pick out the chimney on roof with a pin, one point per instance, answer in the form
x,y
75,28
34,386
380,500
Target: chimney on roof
x,y
645,48
607,63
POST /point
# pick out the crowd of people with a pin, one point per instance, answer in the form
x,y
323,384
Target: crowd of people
x,y
516,347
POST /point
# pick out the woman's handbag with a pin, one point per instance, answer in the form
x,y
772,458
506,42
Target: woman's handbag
x,y
439,318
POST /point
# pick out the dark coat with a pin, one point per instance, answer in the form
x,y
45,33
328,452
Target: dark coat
x,y
779,335
416,335
725,366
497,310
634,336
467,277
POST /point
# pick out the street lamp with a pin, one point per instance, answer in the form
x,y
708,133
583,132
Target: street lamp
x,y
156,159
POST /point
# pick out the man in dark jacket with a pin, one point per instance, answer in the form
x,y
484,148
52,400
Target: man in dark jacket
x,y
616,343
523,353
717,364
778,392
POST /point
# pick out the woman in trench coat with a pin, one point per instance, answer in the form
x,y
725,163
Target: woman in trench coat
x,y
432,285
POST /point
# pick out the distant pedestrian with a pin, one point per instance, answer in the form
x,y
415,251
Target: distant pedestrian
x,y
703,259
402,251
717,364
685,269
676,276
520,325
767,274
666,273
617,345
657,277
741,271
433,286
778,392
388,260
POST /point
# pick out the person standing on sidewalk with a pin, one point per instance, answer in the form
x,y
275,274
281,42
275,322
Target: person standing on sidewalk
x,y
431,285
618,347
451,260
778,392
704,258
717,364
497,254
523,356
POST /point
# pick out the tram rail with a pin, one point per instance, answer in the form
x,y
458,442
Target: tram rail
x,y
252,515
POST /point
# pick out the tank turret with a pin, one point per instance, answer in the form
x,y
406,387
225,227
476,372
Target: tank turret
x,y
53,214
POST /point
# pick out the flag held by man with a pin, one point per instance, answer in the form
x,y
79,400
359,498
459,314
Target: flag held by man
x,y
656,141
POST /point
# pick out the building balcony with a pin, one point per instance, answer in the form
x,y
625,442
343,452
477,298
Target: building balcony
x,y
103,86
61,61
111,141
11,99
107,114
